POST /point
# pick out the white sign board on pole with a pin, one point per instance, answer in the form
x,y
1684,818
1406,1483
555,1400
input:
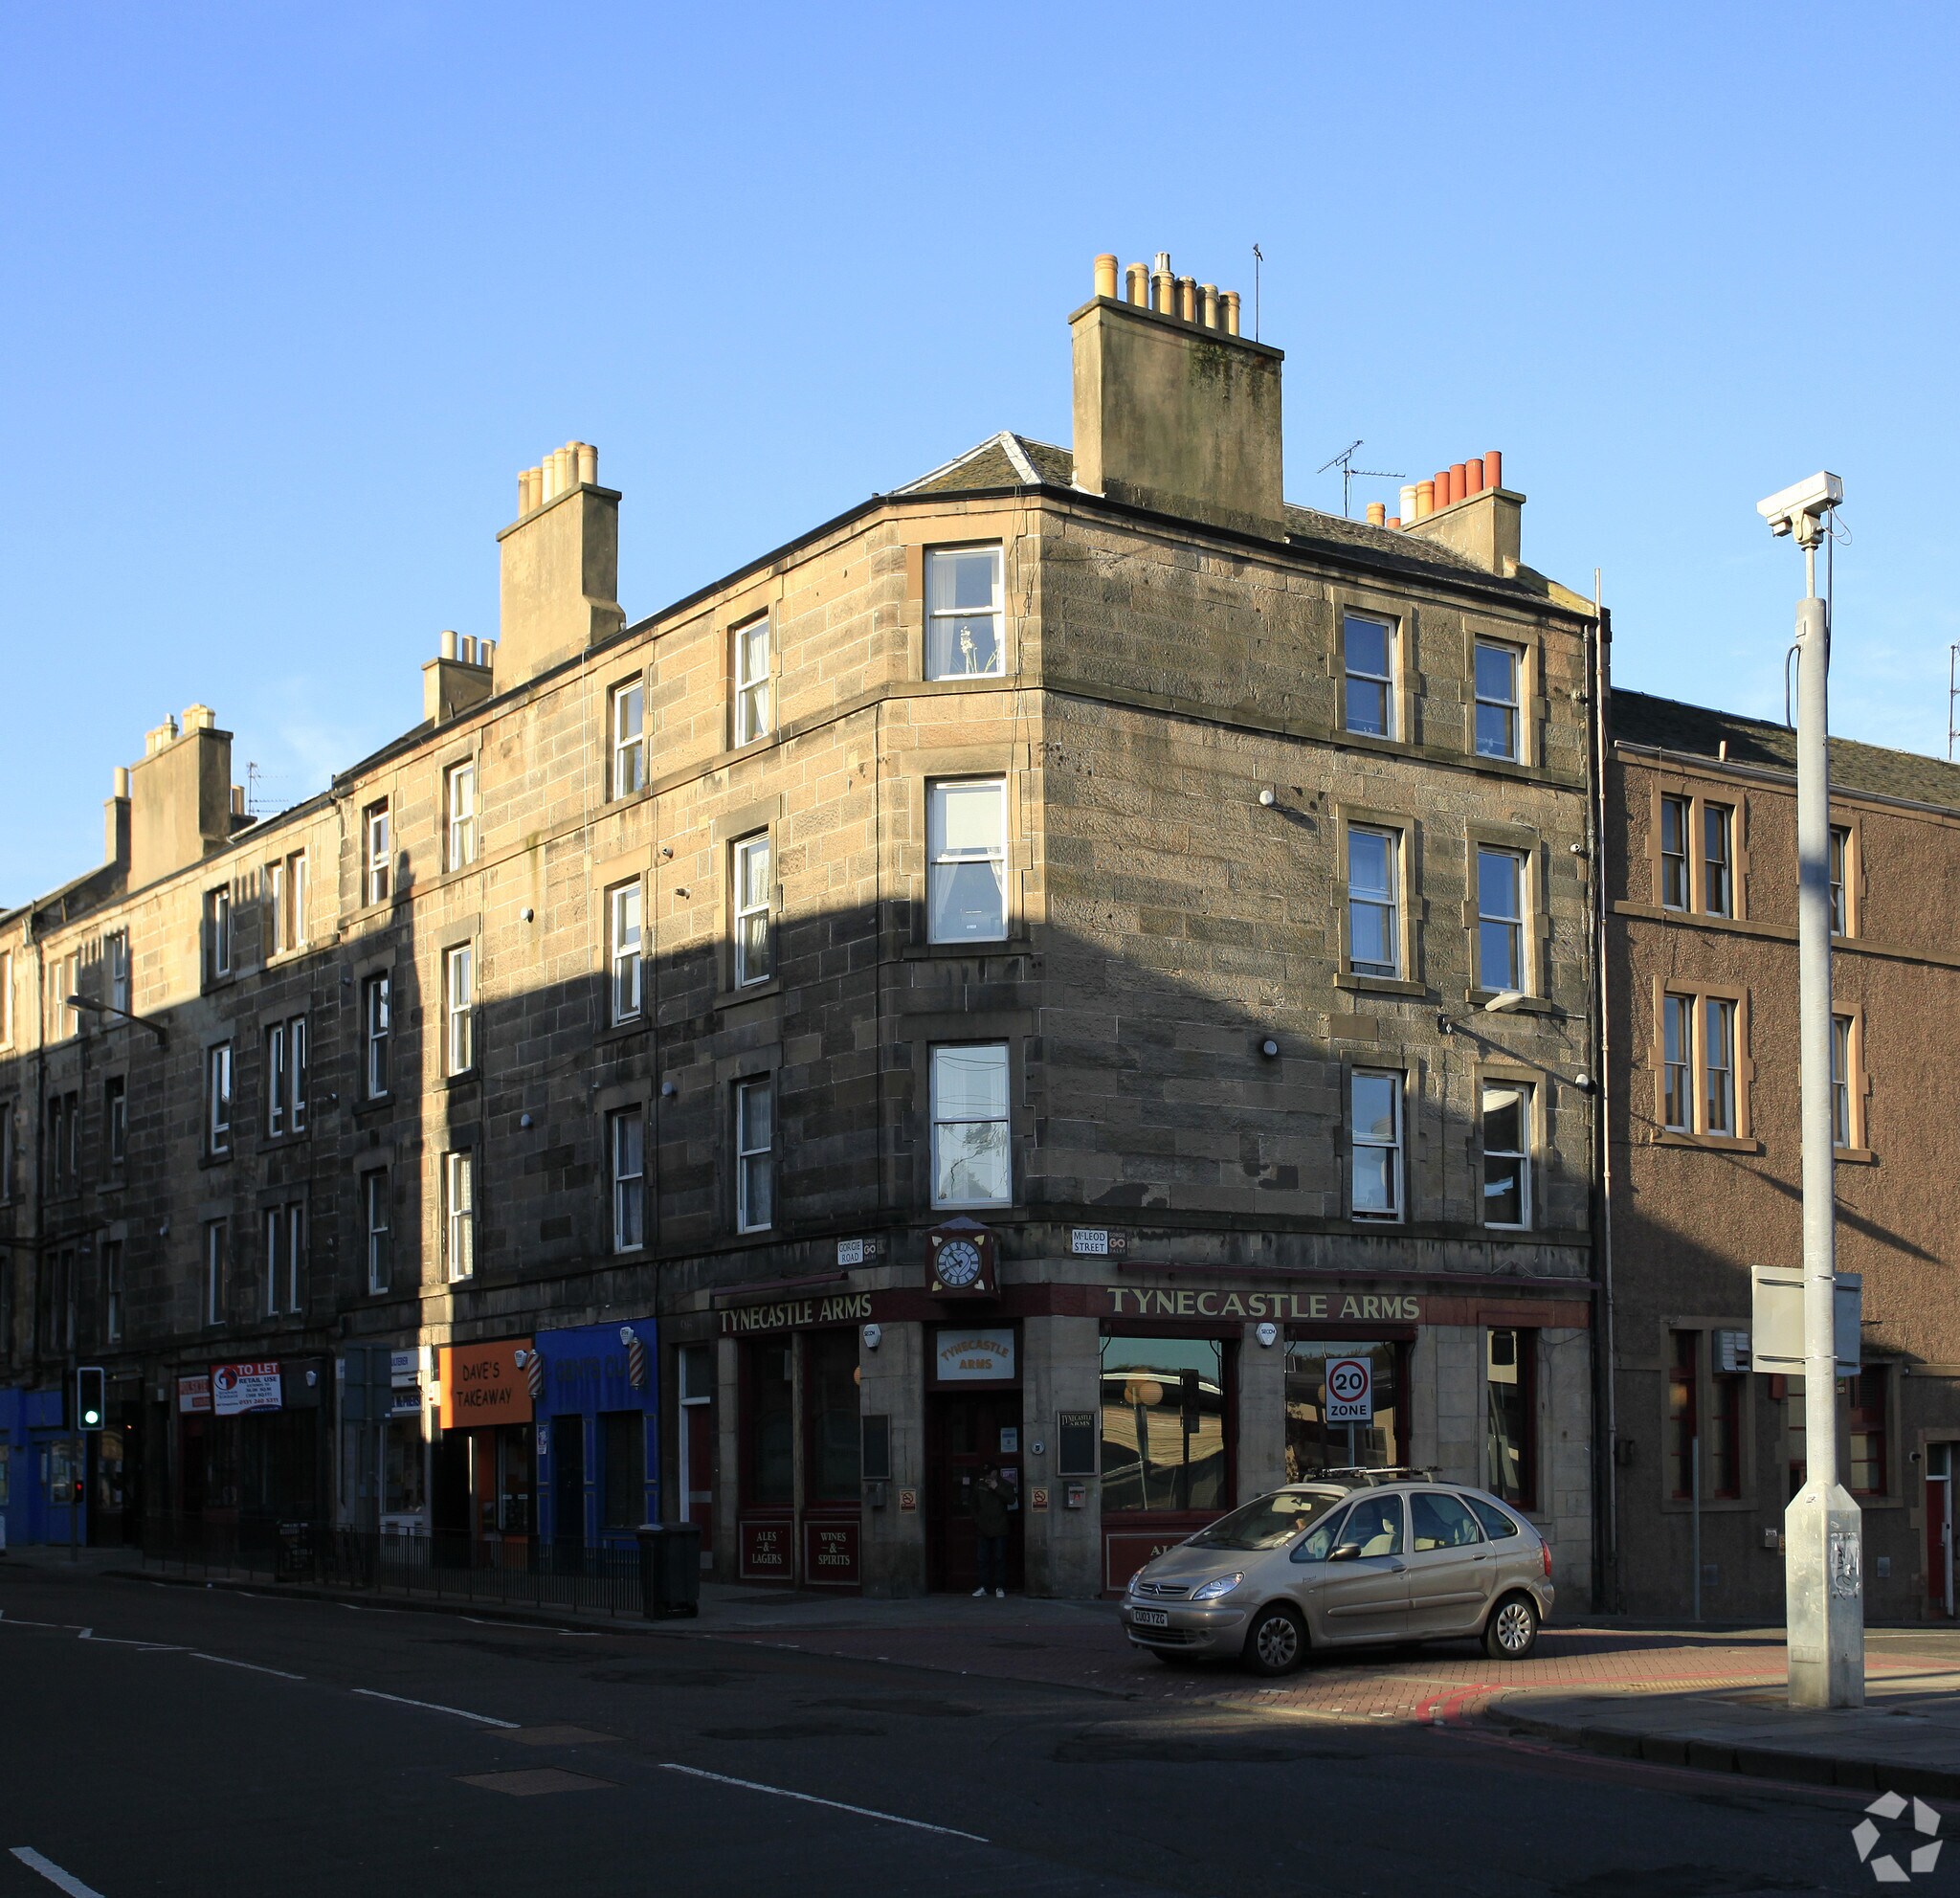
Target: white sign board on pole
x,y
1777,1321
1351,1390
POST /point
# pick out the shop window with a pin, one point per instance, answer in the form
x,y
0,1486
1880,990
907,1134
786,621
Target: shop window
x,y
1312,1442
623,1468
1868,1472
516,1478
1163,1424
834,1446
963,612
1510,1434
771,1427
402,1476
1683,1422
972,1164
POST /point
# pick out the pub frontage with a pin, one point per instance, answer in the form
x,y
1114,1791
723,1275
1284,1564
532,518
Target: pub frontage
x,y
1125,1410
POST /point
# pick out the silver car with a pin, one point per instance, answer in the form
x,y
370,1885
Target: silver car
x,y
1344,1561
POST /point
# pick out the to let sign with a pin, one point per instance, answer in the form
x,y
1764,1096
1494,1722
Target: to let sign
x,y
238,1388
484,1384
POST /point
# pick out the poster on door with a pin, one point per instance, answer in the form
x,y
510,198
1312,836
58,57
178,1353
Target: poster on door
x,y
1351,1390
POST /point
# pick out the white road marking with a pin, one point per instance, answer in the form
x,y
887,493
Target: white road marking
x,y
436,1707
810,1799
66,1881
251,1666
120,1640
15,1621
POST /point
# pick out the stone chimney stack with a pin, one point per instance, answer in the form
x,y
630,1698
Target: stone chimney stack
x,y
116,821
560,565
1173,409
180,797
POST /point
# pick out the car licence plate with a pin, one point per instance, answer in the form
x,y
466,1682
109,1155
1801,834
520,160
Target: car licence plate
x,y
1150,1617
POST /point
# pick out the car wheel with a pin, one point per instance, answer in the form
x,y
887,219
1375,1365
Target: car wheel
x,y
1276,1644
1512,1631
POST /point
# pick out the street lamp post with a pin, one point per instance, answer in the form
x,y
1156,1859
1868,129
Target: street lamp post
x,y
1823,1559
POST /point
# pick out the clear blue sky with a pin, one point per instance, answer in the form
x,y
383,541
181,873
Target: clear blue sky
x,y
290,294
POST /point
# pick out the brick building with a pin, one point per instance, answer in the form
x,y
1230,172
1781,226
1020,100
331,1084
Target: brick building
x,y
1027,973
1705,1174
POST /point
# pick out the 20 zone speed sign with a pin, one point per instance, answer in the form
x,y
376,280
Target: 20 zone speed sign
x,y
1351,1390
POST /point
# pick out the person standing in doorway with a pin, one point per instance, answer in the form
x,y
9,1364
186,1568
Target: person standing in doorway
x,y
990,1528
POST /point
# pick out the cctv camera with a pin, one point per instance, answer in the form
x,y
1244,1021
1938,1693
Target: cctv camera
x,y
1783,510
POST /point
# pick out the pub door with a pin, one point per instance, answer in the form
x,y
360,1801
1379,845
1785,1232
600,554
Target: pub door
x,y
568,1488
966,1432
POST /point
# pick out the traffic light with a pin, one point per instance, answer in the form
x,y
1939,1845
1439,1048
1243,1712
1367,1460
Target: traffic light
x,y
91,1397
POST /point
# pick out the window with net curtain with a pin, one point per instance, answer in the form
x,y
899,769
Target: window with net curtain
x,y
965,823
1163,1418
963,612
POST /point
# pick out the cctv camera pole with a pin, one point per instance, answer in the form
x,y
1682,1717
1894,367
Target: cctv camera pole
x,y
1822,1573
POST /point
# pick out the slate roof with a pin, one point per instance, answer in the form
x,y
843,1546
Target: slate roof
x,y
1669,726
1007,459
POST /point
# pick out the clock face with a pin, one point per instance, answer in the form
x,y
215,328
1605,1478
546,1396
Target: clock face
x,y
958,1263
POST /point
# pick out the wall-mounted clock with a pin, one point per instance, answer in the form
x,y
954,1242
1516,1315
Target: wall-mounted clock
x,y
963,1254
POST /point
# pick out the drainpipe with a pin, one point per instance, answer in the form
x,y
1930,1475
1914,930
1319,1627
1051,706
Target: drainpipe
x,y
1606,1578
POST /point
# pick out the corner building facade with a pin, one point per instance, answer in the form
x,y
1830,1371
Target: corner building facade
x,y
1006,979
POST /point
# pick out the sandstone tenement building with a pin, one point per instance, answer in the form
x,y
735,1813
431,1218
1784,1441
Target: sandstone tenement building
x,y
1025,973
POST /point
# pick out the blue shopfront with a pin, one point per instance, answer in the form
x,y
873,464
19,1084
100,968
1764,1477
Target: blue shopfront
x,y
595,1400
40,1466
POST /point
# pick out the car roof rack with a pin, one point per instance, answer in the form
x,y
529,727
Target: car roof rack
x,y
1377,1473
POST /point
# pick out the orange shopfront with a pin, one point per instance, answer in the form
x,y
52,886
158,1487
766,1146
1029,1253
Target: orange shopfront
x,y
484,1477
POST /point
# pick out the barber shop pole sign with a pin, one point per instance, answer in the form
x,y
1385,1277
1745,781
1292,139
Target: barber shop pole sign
x,y
1351,1390
636,1357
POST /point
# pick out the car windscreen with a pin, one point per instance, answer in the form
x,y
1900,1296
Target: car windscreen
x,y
1270,1523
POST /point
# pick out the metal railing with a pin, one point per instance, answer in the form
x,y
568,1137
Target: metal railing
x,y
515,1572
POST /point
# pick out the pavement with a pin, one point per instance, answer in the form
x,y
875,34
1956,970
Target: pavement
x,y
1703,1698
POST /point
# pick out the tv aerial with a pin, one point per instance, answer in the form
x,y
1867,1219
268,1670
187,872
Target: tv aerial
x,y
1344,462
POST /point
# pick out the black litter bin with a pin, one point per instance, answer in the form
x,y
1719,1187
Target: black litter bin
x,y
669,1569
